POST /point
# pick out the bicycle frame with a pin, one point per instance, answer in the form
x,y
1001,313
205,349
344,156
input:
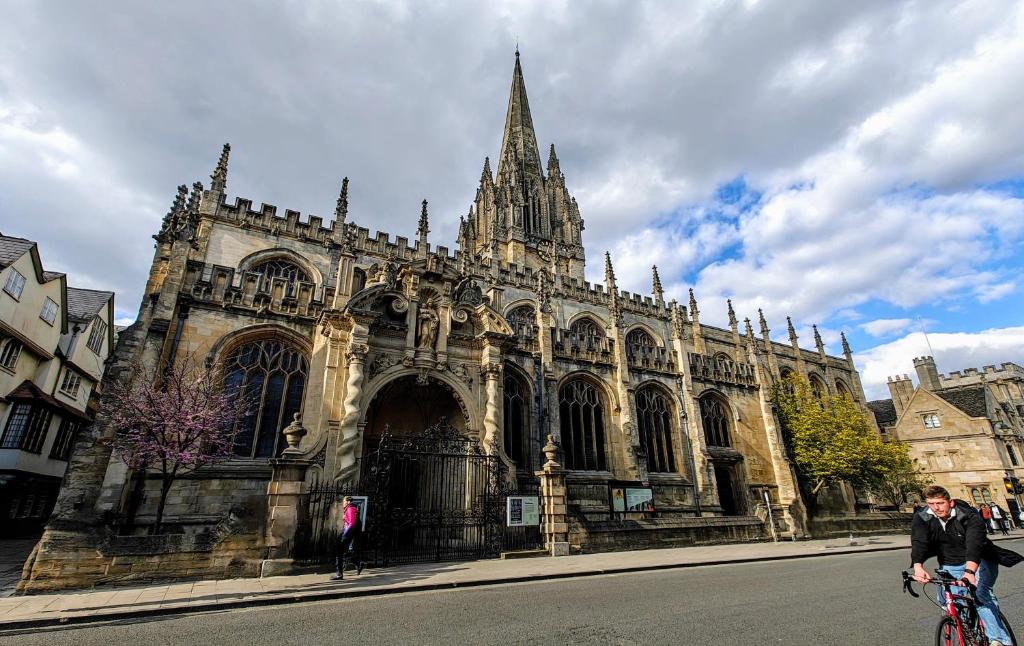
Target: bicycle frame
x,y
970,603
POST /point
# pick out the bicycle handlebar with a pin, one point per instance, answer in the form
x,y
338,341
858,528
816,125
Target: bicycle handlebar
x,y
944,578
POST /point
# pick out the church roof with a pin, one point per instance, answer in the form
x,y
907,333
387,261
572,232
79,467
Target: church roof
x,y
884,411
969,400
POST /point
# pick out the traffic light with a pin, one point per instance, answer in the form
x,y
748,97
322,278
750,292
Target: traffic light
x,y
1013,485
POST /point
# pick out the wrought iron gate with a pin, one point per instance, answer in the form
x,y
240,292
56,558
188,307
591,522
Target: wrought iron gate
x,y
433,496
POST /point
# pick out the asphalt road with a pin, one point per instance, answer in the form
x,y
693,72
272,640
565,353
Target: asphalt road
x,y
849,600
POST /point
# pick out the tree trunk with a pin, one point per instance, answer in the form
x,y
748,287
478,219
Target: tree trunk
x,y
165,488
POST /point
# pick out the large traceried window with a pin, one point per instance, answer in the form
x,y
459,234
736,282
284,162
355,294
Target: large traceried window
x,y
582,424
586,333
282,270
517,421
818,387
272,375
715,417
639,345
522,320
655,426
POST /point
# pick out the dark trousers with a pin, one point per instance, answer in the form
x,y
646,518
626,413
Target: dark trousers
x,y
347,549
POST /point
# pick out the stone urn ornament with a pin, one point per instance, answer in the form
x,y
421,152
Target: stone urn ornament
x,y
293,434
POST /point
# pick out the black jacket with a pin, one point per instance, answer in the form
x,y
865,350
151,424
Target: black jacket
x,y
964,538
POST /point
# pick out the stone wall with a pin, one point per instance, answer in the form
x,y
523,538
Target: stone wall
x,y
618,535
861,524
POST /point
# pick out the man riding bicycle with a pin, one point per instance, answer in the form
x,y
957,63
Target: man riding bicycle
x,y
956,534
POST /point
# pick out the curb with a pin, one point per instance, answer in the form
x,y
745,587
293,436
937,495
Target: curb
x,y
272,599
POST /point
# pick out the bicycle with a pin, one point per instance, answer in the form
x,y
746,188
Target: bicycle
x,y
960,625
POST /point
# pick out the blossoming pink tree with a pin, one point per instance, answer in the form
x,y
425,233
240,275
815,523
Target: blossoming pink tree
x,y
173,424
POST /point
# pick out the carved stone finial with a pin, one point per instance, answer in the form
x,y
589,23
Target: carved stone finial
x,y
732,313
748,329
659,293
817,339
341,208
792,331
609,271
846,346
293,434
424,227
552,161
764,324
219,179
170,222
694,312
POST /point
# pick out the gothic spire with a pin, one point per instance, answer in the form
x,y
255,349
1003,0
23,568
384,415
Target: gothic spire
x,y
748,329
193,200
609,272
423,229
341,208
817,339
485,176
792,331
732,313
171,219
846,345
553,168
659,293
764,324
519,143
694,312
219,179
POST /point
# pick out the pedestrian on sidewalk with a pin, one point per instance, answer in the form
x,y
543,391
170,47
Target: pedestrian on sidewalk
x,y
986,514
348,545
999,519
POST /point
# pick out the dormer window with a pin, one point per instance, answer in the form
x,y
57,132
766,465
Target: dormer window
x,y
931,420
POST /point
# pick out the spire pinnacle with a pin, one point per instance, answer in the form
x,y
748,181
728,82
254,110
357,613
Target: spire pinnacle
x,y
485,175
552,161
694,312
424,228
219,179
732,313
748,329
341,208
846,345
192,208
609,271
764,324
792,331
170,220
659,293
817,336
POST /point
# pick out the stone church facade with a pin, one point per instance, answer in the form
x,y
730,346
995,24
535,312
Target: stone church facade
x,y
502,337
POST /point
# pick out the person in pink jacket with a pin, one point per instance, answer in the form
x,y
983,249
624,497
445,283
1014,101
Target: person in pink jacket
x,y
351,527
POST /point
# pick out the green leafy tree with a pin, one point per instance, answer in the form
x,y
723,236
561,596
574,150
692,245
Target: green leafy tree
x,y
829,439
899,478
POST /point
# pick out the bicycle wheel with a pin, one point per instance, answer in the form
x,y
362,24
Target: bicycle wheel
x,y
1006,625
946,635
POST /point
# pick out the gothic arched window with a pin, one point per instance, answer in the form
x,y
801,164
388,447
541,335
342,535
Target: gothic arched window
x,y
818,387
279,269
522,320
582,423
843,389
639,345
655,426
715,417
585,333
787,376
271,374
517,421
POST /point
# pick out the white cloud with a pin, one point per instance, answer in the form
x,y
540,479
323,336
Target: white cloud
x,y
952,351
885,327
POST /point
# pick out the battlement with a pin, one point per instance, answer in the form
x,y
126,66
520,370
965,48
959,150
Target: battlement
x,y
1006,370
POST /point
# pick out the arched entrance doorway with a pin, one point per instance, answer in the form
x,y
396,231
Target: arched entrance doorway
x,y
408,405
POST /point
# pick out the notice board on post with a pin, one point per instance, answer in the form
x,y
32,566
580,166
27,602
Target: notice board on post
x,y
522,511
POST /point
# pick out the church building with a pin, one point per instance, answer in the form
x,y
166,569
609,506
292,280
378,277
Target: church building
x,y
365,336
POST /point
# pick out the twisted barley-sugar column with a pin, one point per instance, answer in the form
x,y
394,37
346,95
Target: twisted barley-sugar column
x,y
492,373
356,360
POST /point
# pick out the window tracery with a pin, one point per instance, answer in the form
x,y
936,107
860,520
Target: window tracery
x,y
715,418
271,374
655,426
581,417
279,269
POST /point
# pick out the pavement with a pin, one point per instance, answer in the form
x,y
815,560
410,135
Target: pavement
x,y
111,604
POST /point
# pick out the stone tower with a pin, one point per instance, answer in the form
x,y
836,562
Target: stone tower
x,y
525,215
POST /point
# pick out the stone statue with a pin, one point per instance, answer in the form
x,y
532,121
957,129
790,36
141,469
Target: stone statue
x,y
428,321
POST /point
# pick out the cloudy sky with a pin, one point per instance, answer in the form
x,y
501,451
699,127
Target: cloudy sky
x,y
858,165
